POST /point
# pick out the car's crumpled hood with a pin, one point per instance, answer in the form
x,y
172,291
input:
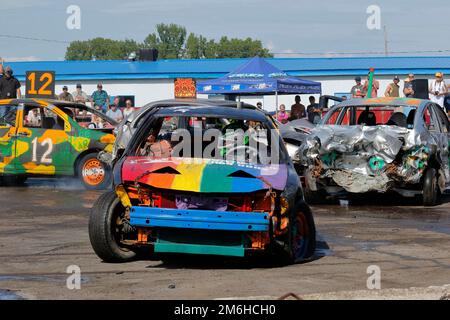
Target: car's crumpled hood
x,y
364,158
204,175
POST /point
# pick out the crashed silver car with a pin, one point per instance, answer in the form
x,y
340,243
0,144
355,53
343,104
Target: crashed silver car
x,y
379,144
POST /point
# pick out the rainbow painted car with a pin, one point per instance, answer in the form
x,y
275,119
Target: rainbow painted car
x,y
201,177
53,138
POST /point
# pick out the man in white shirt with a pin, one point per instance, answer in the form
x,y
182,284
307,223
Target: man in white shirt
x,y
115,113
80,96
438,89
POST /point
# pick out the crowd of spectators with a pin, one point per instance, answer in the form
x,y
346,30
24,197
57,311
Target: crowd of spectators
x,y
438,90
99,100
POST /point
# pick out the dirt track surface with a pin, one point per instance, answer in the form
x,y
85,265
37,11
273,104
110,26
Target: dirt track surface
x,y
44,229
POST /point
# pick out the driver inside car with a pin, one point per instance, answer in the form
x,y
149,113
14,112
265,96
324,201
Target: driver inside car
x,y
157,149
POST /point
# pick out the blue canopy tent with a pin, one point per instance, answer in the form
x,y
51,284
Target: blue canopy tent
x,y
257,76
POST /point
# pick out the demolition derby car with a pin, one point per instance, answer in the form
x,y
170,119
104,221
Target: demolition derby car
x,y
379,144
202,177
53,138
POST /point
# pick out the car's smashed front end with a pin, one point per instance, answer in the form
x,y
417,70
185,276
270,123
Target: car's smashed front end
x,y
200,206
363,158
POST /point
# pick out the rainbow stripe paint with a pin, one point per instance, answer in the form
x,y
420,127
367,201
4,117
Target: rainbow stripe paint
x,y
204,175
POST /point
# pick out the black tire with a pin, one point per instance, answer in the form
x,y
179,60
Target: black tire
x,y
102,234
301,242
101,174
13,181
430,188
313,197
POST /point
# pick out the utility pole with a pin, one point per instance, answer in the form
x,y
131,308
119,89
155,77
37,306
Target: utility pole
x,y
385,41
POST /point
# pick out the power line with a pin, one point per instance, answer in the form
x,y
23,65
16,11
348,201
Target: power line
x,y
273,53
33,39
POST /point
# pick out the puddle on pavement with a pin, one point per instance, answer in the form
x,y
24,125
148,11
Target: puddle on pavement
x,y
6,294
38,278
322,248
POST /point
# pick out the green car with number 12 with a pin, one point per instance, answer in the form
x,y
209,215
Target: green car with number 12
x,y
53,138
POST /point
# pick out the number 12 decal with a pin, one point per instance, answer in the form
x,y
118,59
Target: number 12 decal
x,y
45,157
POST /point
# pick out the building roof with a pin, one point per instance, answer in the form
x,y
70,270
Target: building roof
x,y
214,68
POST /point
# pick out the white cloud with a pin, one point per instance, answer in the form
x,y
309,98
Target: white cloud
x,y
20,59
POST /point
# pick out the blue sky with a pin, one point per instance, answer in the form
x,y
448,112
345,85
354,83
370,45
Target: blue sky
x,y
284,26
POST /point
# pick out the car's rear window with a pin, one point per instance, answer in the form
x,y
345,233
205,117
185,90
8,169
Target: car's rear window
x,y
372,115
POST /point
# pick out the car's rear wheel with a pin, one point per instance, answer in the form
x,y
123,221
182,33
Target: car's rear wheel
x,y
430,188
314,197
93,173
107,229
12,181
301,242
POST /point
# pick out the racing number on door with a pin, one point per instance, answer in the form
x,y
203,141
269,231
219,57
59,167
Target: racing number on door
x,y
47,145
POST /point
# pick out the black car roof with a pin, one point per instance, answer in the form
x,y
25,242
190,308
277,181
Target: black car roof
x,y
199,102
220,108
212,111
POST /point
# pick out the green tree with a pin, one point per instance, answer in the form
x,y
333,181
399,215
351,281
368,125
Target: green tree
x,y
198,47
168,39
100,49
241,48
171,42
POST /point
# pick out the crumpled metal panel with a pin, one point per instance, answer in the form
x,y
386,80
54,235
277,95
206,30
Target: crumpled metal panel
x,y
356,182
361,158
386,141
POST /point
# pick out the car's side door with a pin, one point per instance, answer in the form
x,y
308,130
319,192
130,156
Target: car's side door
x,y
42,143
8,120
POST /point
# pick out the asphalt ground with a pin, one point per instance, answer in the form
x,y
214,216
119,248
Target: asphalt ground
x,y
44,230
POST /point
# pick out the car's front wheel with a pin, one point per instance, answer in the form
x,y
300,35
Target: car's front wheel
x,y
430,188
108,228
301,237
94,174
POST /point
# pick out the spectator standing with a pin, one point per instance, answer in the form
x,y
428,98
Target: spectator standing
x,y
375,87
259,105
65,95
115,113
128,109
79,95
282,115
314,111
9,85
100,99
393,89
358,89
298,110
438,89
408,87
